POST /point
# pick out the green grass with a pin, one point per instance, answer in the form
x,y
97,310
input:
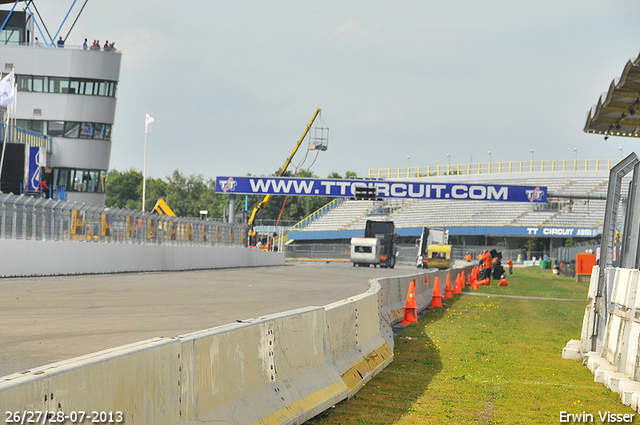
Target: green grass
x,y
486,360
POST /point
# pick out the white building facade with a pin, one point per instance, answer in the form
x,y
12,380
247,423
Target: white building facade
x,y
68,94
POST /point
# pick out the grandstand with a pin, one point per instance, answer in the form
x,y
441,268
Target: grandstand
x,y
574,208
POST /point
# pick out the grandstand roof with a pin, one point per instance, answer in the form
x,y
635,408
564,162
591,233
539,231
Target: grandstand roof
x,y
615,112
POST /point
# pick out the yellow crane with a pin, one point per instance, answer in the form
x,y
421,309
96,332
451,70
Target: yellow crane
x,y
162,208
261,206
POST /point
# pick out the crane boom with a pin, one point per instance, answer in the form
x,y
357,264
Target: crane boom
x,y
261,206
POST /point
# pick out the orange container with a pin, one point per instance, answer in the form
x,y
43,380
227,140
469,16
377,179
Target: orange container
x,y
585,263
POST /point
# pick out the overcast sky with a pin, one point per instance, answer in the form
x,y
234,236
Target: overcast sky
x,y
233,84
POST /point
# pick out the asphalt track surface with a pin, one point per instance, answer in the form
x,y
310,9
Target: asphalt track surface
x,y
49,319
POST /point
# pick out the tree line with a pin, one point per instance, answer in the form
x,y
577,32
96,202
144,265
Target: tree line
x,y
188,195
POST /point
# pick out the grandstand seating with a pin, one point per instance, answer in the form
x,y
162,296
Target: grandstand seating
x,y
562,212
342,215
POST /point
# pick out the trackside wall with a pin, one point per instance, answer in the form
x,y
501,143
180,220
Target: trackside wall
x,y
617,364
43,258
278,369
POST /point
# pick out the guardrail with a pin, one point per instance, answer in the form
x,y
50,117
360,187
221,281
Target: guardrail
x,y
277,369
54,44
494,168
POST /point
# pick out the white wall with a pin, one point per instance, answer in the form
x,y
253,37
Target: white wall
x,y
615,361
41,258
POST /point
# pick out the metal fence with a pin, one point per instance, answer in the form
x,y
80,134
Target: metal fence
x,y
407,253
568,254
31,218
494,167
340,251
317,250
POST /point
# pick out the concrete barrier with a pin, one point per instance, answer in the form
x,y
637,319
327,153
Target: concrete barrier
x,y
616,364
271,369
43,258
139,381
278,369
354,337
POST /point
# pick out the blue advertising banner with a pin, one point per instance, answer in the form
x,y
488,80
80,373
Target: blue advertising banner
x,y
385,189
36,160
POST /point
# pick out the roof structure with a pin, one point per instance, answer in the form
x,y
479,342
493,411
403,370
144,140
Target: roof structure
x,y
617,112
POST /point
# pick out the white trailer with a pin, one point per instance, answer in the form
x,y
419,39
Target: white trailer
x,y
365,251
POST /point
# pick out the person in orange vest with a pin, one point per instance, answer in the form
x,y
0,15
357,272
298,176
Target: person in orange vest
x,y
510,263
467,258
43,188
486,260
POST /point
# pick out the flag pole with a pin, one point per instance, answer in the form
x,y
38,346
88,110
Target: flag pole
x,y
144,168
6,131
4,142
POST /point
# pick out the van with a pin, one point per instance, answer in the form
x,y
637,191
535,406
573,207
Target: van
x,y
438,257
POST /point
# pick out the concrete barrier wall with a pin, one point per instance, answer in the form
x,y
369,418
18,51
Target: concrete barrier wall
x,y
356,345
616,363
278,369
270,370
141,380
29,258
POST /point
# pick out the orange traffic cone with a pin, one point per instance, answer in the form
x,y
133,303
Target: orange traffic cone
x,y
474,284
485,281
503,282
462,283
456,287
411,308
436,298
448,290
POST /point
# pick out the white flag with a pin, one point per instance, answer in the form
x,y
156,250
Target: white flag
x,y
7,90
147,125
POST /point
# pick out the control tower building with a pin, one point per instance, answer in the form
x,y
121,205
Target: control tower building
x,y
67,93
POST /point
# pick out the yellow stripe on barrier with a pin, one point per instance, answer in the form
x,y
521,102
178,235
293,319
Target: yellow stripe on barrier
x,y
366,368
307,404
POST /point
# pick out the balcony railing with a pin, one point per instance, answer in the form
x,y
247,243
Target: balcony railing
x,y
495,168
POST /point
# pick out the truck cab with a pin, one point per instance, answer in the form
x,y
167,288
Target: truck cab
x,y
385,231
378,245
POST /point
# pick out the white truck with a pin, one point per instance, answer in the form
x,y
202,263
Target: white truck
x,y
433,249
